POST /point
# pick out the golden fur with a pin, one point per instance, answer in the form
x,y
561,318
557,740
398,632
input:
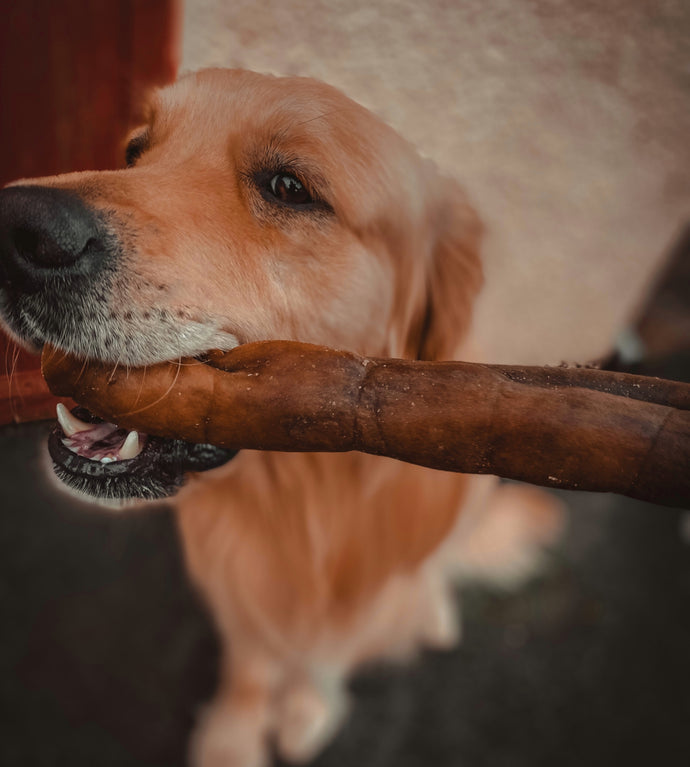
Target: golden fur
x,y
311,564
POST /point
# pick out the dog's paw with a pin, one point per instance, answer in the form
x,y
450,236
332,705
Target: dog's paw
x,y
308,717
440,621
227,738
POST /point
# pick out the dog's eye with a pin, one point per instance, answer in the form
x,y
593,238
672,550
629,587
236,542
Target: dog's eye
x,y
289,189
135,148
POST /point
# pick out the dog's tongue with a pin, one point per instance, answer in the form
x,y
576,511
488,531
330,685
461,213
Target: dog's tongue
x,y
102,441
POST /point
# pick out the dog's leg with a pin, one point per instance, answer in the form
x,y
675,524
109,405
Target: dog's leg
x,y
311,709
440,619
234,729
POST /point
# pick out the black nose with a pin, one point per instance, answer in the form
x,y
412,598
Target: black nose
x,y
45,230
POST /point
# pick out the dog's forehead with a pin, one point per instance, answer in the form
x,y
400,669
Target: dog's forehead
x,y
223,100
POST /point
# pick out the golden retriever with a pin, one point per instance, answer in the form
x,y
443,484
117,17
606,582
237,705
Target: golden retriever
x,y
256,207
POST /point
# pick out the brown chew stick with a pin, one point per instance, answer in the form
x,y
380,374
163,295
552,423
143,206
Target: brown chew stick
x,y
572,428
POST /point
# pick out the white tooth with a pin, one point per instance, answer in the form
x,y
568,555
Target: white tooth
x,y
69,423
108,459
130,448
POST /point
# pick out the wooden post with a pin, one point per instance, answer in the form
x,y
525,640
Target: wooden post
x,y
71,75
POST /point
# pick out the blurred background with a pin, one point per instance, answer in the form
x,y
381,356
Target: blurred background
x,y
567,123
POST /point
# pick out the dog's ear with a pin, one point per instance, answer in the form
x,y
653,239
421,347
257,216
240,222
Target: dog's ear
x,y
453,276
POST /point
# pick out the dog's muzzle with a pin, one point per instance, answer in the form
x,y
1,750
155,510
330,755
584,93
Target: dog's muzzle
x,y
58,257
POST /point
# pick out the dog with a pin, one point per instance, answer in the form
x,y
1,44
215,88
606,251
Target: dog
x,y
255,207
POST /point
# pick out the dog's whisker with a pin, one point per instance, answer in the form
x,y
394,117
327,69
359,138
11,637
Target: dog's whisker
x,y
83,369
9,366
7,355
141,385
51,353
113,371
13,368
16,351
161,398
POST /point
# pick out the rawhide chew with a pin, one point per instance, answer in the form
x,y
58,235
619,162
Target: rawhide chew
x,y
572,428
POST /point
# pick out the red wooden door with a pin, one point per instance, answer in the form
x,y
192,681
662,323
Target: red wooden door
x,y
72,73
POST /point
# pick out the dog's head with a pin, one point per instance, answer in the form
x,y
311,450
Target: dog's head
x,y
252,208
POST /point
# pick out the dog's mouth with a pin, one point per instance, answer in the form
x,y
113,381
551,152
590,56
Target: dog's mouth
x,y
101,460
